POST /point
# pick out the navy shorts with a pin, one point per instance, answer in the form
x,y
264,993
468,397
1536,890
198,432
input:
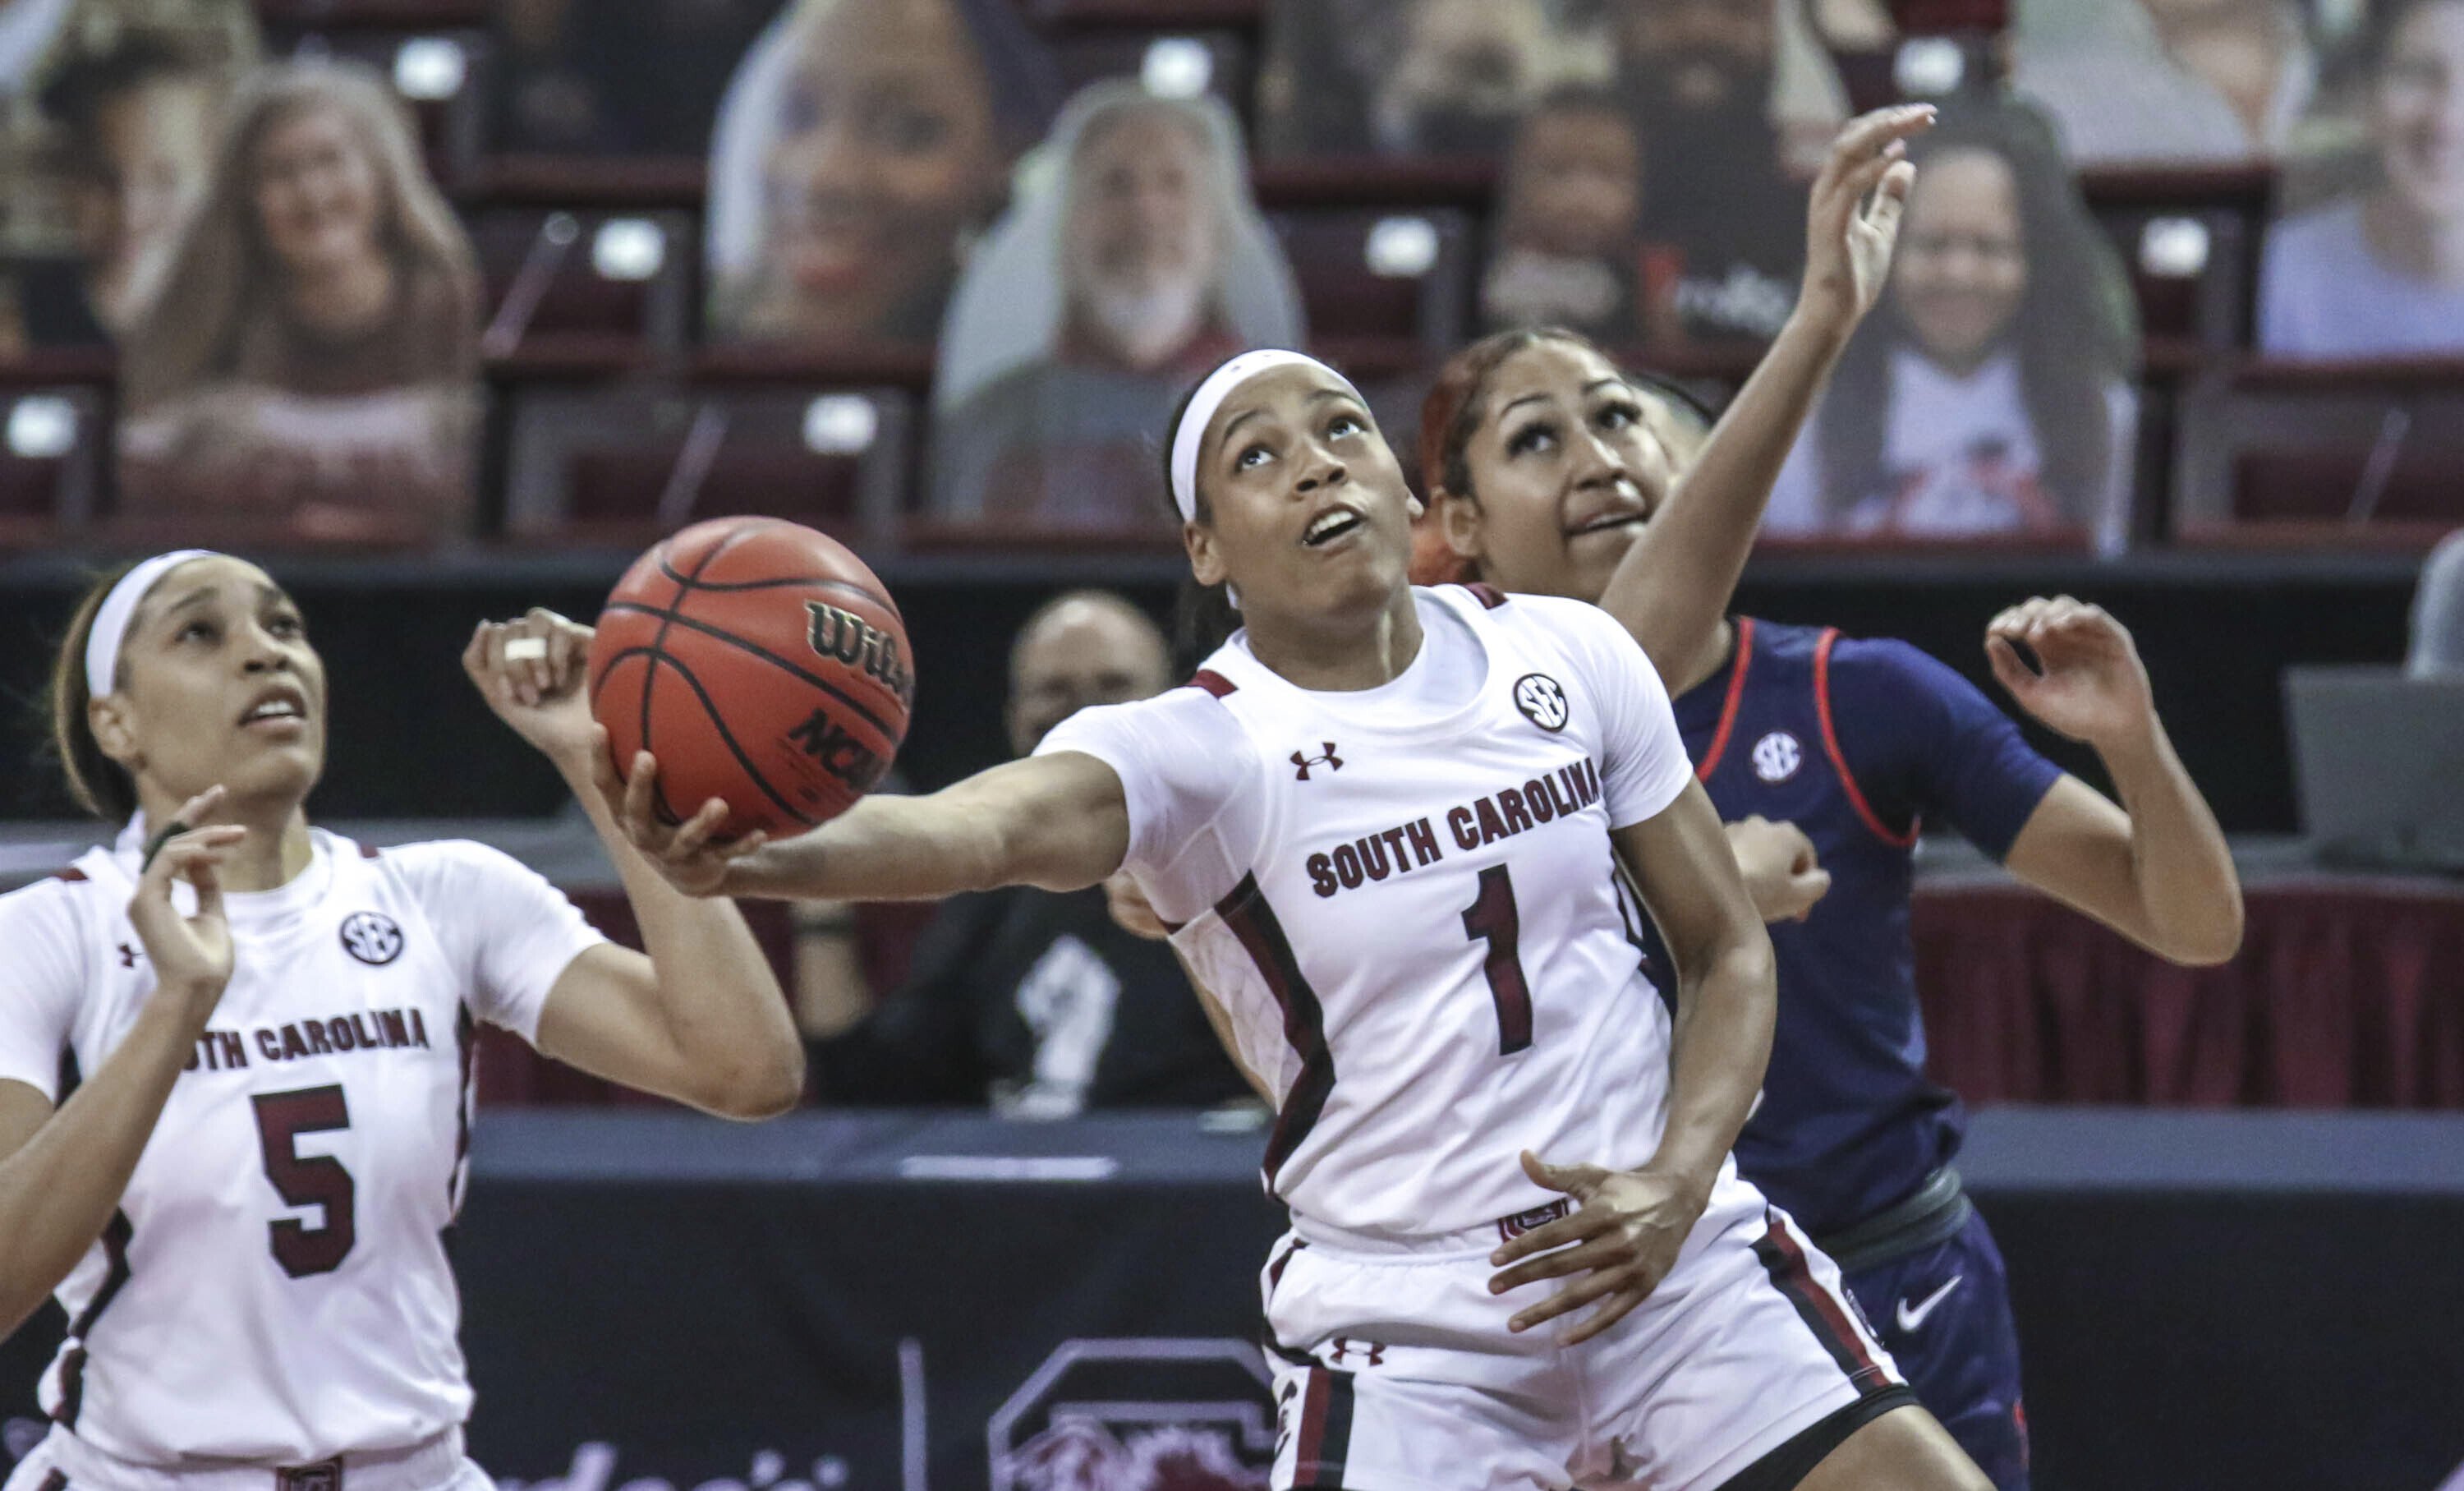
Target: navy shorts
x,y
1944,1313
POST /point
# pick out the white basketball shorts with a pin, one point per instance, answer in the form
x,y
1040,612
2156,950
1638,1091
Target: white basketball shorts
x,y
1394,1369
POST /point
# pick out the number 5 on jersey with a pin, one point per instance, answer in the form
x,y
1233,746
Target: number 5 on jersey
x,y
1491,917
317,1180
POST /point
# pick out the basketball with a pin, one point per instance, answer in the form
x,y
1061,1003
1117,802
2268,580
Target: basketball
x,y
763,664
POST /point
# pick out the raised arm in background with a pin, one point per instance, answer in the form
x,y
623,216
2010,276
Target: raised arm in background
x,y
1672,588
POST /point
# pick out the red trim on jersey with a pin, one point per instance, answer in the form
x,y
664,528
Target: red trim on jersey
x,y
1822,1312
1839,761
116,1233
370,851
1245,912
1212,681
1487,595
1728,706
72,875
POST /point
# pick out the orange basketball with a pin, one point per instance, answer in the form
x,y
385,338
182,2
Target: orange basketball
x,y
763,664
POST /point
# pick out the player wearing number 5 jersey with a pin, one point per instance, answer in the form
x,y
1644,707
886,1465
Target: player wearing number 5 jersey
x,y
235,1053
1387,822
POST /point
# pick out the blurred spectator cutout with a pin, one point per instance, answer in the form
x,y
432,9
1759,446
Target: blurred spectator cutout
x,y
2379,270
1723,222
860,147
1988,393
1134,260
2141,82
108,124
1566,244
1403,77
313,351
138,125
1031,1001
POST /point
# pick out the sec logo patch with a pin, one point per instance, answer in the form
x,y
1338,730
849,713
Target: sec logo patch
x,y
1542,701
1776,756
372,937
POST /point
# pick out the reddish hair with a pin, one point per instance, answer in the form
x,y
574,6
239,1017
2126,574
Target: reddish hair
x,y
1448,416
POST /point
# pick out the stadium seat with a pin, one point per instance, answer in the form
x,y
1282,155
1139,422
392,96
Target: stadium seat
x,y
2327,448
55,447
568,288
618,464
1382,290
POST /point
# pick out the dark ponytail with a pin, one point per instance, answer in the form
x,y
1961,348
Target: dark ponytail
x,y
100,785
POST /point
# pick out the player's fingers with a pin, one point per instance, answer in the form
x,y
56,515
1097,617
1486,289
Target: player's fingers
x,y
1580,1227
1864,137
197,810
696,834
1891,196
569,652
1598,1254
1868,174
1573,1296
639,821
210,886
474,653
2008,670
737,849
1619,1304
1574,1180
539,632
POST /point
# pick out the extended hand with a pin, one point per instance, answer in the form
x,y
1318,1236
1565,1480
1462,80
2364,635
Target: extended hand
x,y
1848,239
2089,684
687,854
1625,1237
191,953
533,672
1781,869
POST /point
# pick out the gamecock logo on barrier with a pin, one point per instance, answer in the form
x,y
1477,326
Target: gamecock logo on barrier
x,y
1138,1415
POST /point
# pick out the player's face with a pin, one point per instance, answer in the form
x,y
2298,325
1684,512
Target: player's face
x,y
1962,263
1566,469
1310,514
217,685
2418,112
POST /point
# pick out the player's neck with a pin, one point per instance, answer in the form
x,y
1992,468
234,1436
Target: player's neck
x,y
276,851
1340,656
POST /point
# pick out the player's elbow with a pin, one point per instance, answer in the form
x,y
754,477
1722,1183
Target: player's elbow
x,y
751,1091
2211,940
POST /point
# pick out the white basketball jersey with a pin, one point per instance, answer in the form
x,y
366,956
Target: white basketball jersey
x,y
274,1287
1412,918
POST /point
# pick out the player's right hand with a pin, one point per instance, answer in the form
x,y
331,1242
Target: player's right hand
x,y
1132,912
1853,218
189,953
1781,870
692,861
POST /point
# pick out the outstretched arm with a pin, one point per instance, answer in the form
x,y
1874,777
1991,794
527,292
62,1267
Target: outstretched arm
x,y
2155,868
1673,586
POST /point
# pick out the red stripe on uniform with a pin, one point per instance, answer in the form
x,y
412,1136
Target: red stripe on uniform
x,y
1729,706
1253,921
1325,1438
1839,761
1212,681
1821,1311
71,875
1488,595
116,1235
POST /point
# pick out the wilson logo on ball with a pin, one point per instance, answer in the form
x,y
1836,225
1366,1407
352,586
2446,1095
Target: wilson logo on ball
x,y
853,640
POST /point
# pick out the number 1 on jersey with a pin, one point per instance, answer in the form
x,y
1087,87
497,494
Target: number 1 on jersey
x,y
1491,919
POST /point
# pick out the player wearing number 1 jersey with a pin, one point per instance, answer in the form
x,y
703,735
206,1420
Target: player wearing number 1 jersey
x,y
1387,822
235,1053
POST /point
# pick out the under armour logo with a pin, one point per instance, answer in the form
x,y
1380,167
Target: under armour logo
x,y
1331,760
127,956
1374,1354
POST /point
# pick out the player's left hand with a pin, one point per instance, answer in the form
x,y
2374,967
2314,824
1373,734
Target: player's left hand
x,y
533,672
1852,220
1625,1237
2089,684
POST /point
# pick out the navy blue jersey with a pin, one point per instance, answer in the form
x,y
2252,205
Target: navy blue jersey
x,y
1854,742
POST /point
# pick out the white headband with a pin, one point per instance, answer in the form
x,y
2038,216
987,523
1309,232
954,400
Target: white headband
x,y
1191,433
111,619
